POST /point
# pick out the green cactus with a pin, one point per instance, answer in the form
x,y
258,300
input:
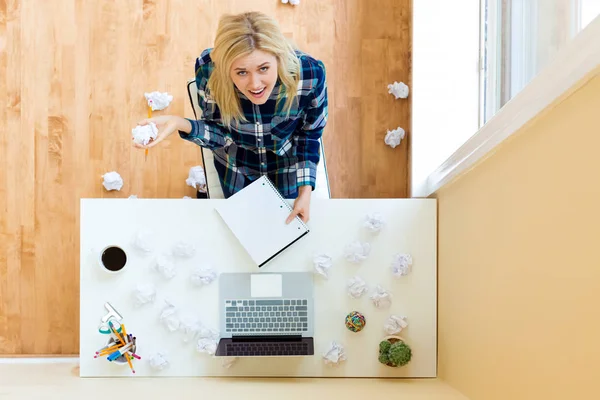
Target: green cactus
x,y
395,355
384,346
399,354
383,358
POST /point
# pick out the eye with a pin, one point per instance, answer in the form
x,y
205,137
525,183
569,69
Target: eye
x,y
264,69
241,73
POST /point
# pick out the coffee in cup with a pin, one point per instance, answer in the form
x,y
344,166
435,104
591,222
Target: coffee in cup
x,y
113,259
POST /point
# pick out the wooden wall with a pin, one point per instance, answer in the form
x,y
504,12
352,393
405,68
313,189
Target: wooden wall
x,y
72,79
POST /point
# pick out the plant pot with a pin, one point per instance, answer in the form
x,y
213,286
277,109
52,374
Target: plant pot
x,y
393,339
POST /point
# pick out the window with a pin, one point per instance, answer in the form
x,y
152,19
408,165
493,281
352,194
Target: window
x,y
587,11
527,52
445,83
519,38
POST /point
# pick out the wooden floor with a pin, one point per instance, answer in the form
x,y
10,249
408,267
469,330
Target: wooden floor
x,y
73,75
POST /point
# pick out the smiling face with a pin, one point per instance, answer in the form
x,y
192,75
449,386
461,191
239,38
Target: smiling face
x,y
255,75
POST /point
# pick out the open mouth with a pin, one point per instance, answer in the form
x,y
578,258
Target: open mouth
x,y
257,93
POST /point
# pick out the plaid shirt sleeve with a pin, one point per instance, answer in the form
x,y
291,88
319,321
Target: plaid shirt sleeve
x,y
308,144
205,131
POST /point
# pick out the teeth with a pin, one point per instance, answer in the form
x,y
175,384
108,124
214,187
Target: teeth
x,y
260,91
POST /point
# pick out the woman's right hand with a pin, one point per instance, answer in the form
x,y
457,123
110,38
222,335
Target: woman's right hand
x,y
166,124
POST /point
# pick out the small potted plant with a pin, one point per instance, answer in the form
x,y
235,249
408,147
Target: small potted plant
x,y
394,352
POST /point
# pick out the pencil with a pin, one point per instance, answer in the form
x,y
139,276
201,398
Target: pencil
x,y
124,332
129,362
108,349
149,116
107,352
112,327
112,346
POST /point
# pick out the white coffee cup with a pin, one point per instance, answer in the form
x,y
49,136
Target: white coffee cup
x,y
113,259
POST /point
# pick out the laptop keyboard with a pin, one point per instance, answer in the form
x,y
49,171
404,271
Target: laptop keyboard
x,y
273,316
268,349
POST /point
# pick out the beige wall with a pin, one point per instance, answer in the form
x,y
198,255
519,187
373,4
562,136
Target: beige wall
x,y
519,272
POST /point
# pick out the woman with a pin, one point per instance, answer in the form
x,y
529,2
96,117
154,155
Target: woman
x,y
264,107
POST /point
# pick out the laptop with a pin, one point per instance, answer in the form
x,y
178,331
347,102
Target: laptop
x,y
266,314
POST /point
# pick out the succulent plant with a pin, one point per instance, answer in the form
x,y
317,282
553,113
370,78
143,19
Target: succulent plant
x,y
383,358
394,354
384,346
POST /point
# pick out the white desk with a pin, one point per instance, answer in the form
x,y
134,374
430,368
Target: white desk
x,y
410,228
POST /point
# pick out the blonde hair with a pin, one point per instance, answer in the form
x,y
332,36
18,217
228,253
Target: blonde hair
x,y
237,36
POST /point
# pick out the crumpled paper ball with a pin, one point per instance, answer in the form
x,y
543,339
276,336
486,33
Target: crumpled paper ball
x,y
169,317
322,263
144,134
143,240
335,354
203,275
208,340
208,333
398,89
183,249
401,265
395,324
158,361
133,196
189,325
357,251
112,181
165,266
186,197
208,346
227,362
356,287
381,298
157,100
292,2
374,222
196,177
144,293
393,137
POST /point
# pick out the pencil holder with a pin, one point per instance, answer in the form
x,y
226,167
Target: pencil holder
x,y
122,359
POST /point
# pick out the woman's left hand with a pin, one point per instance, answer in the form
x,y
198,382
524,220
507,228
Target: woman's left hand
x,y
301,204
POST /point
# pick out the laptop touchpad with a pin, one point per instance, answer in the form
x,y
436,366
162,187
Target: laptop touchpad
x,y
265,285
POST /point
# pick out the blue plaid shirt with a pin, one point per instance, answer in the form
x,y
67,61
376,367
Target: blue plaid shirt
x,y
287,150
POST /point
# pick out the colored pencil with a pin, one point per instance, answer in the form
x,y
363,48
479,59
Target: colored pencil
x,y
129,362
112,327
125,333
102,350
149,116
106,351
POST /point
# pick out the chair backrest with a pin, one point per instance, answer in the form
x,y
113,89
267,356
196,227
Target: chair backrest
x,y
206,157
193,95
